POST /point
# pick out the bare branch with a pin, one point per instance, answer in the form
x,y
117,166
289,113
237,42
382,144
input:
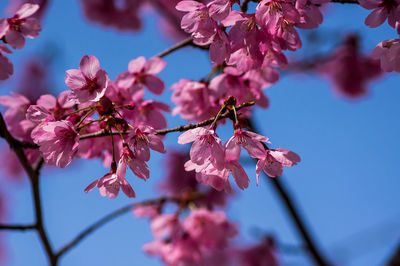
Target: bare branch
x,y
17,227
175,129
111,216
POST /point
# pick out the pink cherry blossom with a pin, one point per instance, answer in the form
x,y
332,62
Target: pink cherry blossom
x,y
197,21
58,141
194,101
15,116
138,166
21,24
140,74
210,229
274,160
150,113
250,141
382,9
165,225
271,13
263,253
110,184
310,13
142,139
122,15
220,9
349,70
146,210
6,67
388,52
206,148
89,82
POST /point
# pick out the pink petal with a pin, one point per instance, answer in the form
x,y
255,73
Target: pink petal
x,y
91,186
154,84
127,189
285,157
4,27
191,135
376,17
74,79
142,151
31,28
47,101
188,6
89,65
154,65
156,144
140,169
15,39
136,65
27,10
6,67
240,176
259,167
199,152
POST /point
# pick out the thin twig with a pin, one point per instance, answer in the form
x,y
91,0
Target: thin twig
x,y
17,227
186,42
294,212
33,175
244,6
109,217
395,258
175,129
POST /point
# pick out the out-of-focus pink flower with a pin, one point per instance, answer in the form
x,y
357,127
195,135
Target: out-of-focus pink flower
x,y
194,100
382,10
264,254
206,147
58,142
388,52
122,15
21,24
274,160
15,116
142,139
89,82
177,180
15,4
165,225
140,74
6,67
349,70
210,229
146,210
310,13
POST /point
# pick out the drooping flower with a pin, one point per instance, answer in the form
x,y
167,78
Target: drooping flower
x,y
382,10
6,67
110,184
206,148
250,141
137,165
58,141
388,52
220,9
142,139
89,82
21,24
274,160
140,74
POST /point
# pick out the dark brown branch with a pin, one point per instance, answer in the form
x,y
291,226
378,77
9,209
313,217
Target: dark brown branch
x,y
395,258
227,114
33,175
17,227
109,217
294,213
244,6
186,42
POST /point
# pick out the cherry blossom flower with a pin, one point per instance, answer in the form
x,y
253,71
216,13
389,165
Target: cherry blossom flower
x,y
194,101
6,67
89,82
21,24
310,13
140,74
382,9
58,141
388,52
206,148
150,113
220,9
210,229
138,166
264,253
250,141
274,160
142,139
110,184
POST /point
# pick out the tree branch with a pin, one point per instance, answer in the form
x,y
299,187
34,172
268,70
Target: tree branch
x,y
175,129
395,258
111,216
294,213
17,227
33,175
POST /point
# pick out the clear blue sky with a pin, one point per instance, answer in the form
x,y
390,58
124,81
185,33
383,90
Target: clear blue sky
x,y
347,183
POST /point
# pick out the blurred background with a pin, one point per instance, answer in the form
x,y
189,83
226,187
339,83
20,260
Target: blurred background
x,y
346,186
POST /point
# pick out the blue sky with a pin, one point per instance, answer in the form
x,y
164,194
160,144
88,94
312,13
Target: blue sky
x,y
346,185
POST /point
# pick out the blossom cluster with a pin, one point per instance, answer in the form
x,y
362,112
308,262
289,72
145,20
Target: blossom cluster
x,y
13,32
